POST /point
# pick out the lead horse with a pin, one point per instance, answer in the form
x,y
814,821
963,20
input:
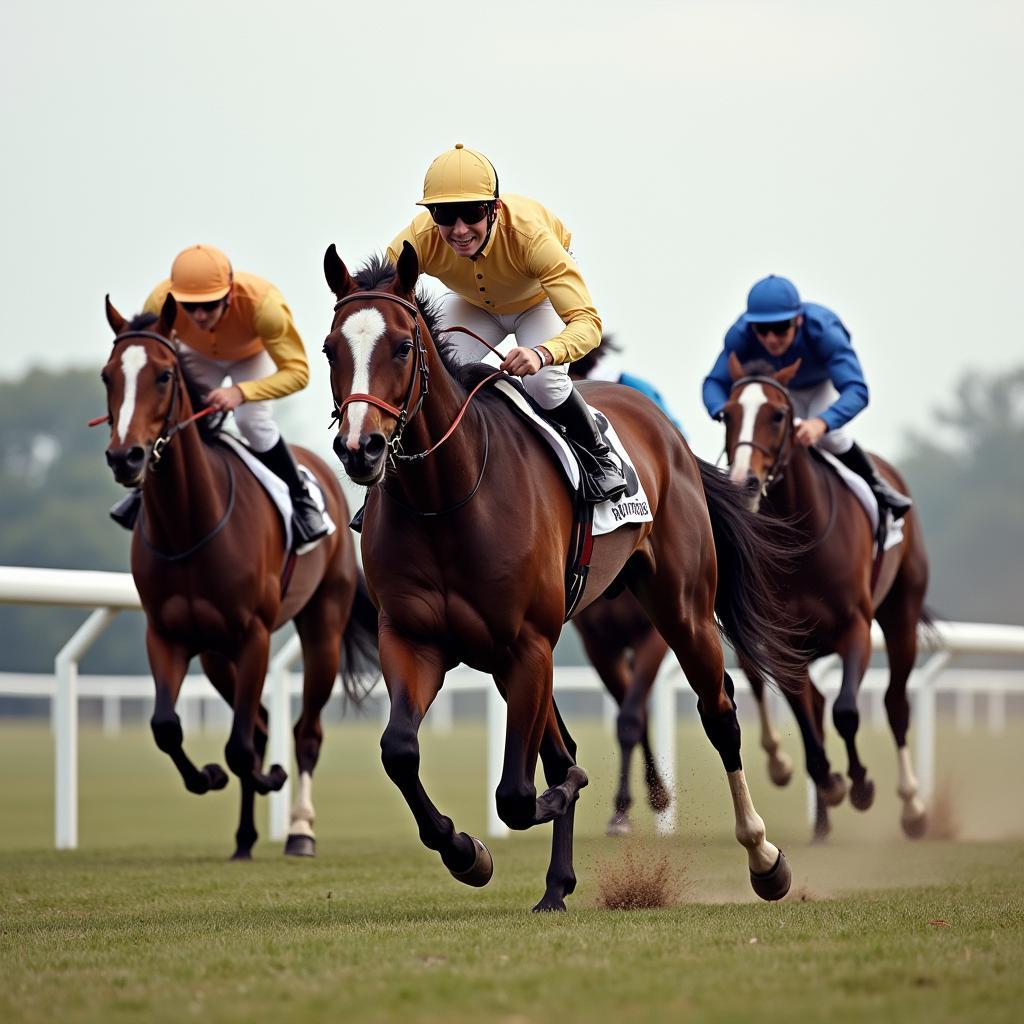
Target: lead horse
x,y
466,529
837,586
209,559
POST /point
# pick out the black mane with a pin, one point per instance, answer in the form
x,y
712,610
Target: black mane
x,y
758,368
142,321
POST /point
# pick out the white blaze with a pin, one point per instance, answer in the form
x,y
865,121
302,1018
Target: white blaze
x,y
751,399
362,331
133,359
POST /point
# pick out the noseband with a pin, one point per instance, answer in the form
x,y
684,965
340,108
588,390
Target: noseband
x,y
781,459
420,372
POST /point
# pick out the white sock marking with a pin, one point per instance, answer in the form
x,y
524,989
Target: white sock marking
x,y
362,331
133,359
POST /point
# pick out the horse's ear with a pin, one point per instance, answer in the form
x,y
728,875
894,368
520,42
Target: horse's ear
x,y
787,373
338,278
735,366
116,321
167,314
408,271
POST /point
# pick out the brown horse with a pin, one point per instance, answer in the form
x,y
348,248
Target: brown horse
x,y
208,557
466,531
836,587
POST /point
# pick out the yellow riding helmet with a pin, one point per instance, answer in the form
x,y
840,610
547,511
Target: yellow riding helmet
x,y
459,175
201,273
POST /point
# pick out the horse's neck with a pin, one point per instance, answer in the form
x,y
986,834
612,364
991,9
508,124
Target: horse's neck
x,y
184,497
449,474
802,492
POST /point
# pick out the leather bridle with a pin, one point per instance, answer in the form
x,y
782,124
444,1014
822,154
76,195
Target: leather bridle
x,y
781,459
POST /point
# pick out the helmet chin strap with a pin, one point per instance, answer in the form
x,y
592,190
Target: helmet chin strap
x,y
491,218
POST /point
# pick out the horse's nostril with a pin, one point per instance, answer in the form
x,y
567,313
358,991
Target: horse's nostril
x,y
374,447
136,457
340,450
752,482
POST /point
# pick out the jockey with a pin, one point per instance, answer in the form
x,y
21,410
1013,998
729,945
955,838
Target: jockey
x,y
506,264
593,366
827,391
237,325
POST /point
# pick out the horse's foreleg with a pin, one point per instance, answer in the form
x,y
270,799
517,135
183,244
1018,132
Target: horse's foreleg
x,y
169,663
613,668
414,674
649,655
780,764
854,648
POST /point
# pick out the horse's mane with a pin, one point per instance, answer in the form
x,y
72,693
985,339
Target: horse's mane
x,y
142,321
758,368
378,273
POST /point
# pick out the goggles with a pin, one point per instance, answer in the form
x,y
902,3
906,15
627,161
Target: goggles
x,y
446,214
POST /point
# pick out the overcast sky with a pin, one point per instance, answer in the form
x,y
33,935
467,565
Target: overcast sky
x,y
870,151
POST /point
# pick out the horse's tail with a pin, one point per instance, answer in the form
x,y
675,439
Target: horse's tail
x,y
360,656
753,552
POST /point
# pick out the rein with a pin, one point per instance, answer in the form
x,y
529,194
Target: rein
x,y
781,460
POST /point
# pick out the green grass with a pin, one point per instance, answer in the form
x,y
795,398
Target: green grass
x,y
149,921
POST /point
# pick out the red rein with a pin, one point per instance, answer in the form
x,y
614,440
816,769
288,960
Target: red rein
x,y
195,416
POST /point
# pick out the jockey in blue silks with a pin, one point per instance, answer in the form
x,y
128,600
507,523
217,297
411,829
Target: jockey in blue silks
x,y
827,391
590,367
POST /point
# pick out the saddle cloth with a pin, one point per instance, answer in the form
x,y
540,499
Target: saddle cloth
x,y
277,489
633,507
864,494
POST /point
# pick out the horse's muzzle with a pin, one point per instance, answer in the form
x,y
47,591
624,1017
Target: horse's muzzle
x,y
364,463
127,464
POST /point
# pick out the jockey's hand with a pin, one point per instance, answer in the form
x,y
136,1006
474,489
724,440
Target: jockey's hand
x,y
810,432
521,362
225,399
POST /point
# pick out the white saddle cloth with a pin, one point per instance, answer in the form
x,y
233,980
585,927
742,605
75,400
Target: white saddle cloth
x,y
277,489
864,494
608,515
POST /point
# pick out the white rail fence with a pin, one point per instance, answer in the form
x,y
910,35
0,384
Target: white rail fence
x,y
108,593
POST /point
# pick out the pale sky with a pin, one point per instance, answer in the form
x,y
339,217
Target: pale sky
x,y
872,152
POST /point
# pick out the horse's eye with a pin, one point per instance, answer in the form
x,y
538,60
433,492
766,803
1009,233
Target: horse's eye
x,y
105,377
403,350
165,377
329,352
778,416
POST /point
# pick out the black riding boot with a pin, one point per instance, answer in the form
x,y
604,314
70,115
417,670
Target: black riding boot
x,y
126,511
886,495
307,519
574,415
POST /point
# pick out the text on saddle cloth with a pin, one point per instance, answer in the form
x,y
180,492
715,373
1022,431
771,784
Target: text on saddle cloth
x,y
864,494
277,489
633,507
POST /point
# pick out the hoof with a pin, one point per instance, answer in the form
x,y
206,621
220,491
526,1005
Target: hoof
x,y
619,825
780,769
240,855
216,775
862,794
773,884
479,872
834,793
659,799
300,846
277,777
820,836
915,828
550,905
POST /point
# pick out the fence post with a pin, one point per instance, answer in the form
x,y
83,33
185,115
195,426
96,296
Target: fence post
x,y
662,719
279,721
111,715
441,716
496,828
65,668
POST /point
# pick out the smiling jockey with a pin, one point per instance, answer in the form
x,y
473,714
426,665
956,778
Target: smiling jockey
x,y
238,326
507,266
827,391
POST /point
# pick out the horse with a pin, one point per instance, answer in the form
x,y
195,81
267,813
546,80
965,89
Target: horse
x,y
209,559
837,586
466,529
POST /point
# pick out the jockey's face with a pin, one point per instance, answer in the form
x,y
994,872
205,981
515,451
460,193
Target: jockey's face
x,y
774,342
206,315
465,239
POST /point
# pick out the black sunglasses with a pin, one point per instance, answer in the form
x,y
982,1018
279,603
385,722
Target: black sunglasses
x,y
446,214
209,307
778,328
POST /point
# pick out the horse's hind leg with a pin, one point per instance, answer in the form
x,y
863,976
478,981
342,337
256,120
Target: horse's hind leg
x,y
613,668
169,663
414,674
780,764
318,628
854,648
898,616
649,655
694,641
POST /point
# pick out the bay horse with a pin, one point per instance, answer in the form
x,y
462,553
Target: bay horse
x,y
209,560
466,529
836,588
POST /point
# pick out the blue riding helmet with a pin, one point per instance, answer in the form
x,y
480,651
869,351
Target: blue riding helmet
x,y
772,299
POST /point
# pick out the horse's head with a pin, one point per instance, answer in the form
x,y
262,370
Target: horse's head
x,y
758,424
379,375
144,390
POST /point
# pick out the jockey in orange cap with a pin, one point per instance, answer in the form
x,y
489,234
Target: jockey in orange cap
x,y
237,325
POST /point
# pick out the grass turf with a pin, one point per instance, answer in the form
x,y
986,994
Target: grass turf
x,y
148,920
